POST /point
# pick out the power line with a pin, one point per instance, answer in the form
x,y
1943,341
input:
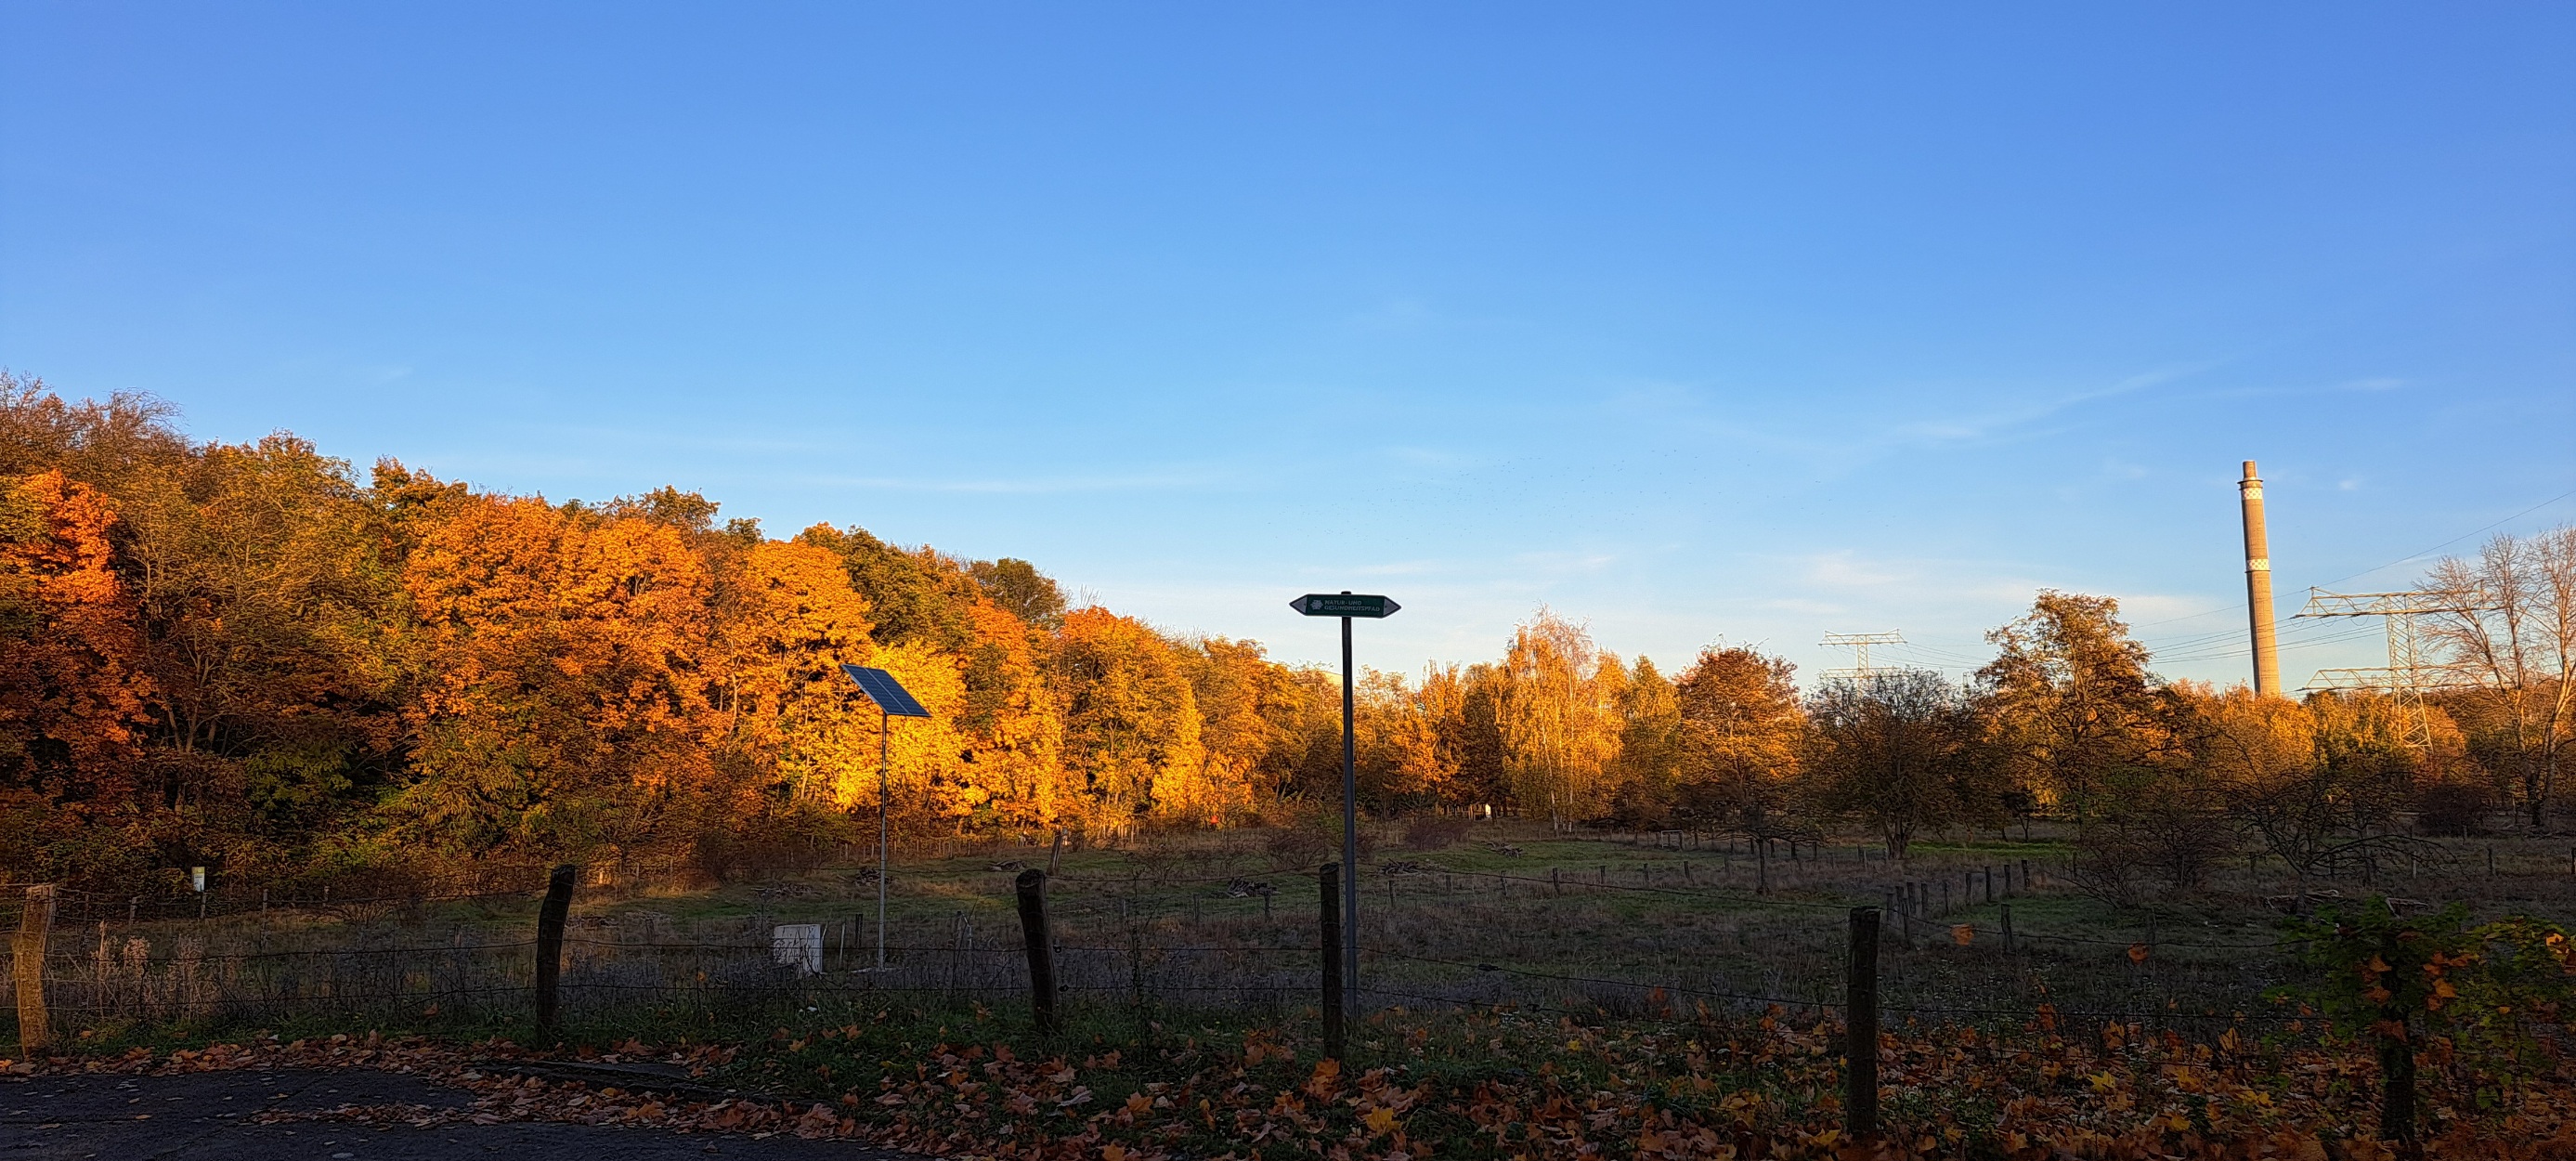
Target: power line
x,y
2463,536
2230,608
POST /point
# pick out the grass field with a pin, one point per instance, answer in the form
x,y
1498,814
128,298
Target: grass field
x,y
1523,995
1625,925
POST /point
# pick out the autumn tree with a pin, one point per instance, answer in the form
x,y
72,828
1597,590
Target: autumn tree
x,y
270,608
2070,698
565,704
1741,734
1650,747
1412,741
72,693
1898,752
1014,738
786,620
265,612
2364,746
1019,588
916,595
1559,720
90,442
1131,723
1258,719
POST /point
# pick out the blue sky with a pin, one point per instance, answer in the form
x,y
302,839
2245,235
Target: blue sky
x,y
1697,322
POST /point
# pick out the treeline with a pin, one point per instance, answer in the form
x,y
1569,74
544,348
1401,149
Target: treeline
x,y
248,657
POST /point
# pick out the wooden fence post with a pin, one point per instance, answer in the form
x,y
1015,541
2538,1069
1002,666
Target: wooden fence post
x,y
2398,1124
2008,935
1330,876
1860,1028
35,1029
550,931
1034,931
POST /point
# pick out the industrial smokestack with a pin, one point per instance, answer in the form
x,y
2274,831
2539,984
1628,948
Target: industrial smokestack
x,y
2258,586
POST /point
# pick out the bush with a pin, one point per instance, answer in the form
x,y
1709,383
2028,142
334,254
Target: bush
x,y
2453,808
1431,832
1311,840
1301,844
785,843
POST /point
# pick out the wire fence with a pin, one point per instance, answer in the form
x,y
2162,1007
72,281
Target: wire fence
x,y
1670,938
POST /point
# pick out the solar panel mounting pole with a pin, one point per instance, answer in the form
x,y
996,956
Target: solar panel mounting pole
x,y
1347,605
892,702
885,732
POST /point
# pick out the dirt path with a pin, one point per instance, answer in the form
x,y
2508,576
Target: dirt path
x,y
219,1115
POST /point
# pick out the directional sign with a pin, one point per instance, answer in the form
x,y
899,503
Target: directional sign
x,y
1343,605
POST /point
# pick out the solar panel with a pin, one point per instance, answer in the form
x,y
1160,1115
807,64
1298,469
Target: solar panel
x,y
883,689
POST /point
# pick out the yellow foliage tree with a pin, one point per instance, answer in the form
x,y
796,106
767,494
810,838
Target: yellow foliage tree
x,y
1559,718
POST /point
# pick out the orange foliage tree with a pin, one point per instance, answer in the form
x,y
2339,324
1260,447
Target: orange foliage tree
x,y
567,700
1741,732
71,693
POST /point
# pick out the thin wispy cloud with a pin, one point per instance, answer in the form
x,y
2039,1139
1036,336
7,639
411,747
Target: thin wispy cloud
x,y
1702,412
2011,422
1040,486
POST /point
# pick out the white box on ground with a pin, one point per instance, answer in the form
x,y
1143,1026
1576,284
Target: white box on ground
x,y
799,944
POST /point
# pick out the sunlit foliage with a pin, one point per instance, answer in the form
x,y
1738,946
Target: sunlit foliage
x,y
248,656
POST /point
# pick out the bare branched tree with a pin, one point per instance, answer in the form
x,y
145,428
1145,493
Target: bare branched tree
x,y
2516,651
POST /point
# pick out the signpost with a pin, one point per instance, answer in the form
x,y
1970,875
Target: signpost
x,y
1346,605
892,701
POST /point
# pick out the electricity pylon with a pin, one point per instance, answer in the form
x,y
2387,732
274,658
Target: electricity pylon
x,y
2406,679
1859,644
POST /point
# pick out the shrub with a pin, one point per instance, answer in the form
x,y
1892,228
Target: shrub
x,y
1431,832
2453,808
2431,988
1312,839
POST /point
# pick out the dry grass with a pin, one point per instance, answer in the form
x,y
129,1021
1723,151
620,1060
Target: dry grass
x,y
1505,915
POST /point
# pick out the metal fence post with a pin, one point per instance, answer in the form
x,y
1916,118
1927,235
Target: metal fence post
x,y
1031,886
1330,875
550,932
1860,1028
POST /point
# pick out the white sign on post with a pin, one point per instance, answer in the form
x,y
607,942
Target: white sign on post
x,y
799,945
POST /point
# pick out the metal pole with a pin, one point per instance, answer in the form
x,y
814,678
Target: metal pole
x,y
884,728
1329,875
1350,831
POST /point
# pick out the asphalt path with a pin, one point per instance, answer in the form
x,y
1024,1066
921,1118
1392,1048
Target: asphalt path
x,y
209,1115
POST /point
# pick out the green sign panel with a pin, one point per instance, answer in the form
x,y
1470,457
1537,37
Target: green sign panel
x,y
1343,605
